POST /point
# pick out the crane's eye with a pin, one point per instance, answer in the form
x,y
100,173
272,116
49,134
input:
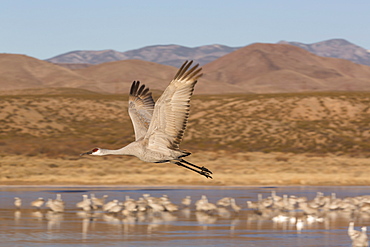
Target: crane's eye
x,y
95,149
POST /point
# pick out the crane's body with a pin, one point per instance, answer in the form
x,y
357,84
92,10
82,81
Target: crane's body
x,y
139,149
159,127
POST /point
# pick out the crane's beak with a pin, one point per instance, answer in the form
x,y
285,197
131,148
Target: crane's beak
x,y
90,152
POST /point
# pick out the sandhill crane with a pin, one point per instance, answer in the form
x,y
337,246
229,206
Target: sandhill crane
x,y
234,206
224,202
85,204
116,208
159,127
17,202
38,203
55,205
98,202
132,206
109,205
59,198
358,238
186,201
155,206
169,206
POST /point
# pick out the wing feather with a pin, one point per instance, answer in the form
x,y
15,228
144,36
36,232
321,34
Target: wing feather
x,y
140,108
171,111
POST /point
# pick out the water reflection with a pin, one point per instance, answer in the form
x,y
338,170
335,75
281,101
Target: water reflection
x,y
17,215
37,215
211,218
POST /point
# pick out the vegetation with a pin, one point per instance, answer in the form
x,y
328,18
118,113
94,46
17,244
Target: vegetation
x,y
68,124
281,139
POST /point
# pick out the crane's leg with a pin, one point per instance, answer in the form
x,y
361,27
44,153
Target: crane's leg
x,y
202,172
201,168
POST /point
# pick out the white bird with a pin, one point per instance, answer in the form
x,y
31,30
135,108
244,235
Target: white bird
x,y
234,206
224,202
169,206
85,204
38,202
352,233
55,205
359,239
159,128
156,207
141,205
116,208
109,205
98,202
59,198
17,202
205,206
186,201
132,206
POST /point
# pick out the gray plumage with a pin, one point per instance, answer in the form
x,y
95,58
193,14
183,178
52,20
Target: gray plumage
x,y
38,203
159,127
17,202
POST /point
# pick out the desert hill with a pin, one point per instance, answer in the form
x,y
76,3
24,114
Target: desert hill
x,y
74,66
274,68
23,72
117,77
19,74
265,139
257,68
299,123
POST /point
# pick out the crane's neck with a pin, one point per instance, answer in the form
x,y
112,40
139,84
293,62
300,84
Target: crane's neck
x,y
127,150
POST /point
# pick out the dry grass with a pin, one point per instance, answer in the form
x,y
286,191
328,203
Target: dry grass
x,y
316,138
229,169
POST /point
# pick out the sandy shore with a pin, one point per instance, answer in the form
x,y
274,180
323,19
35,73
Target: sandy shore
x,y
228,169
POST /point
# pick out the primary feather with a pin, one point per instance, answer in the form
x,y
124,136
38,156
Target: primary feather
x,y
171,111
140,108
159,127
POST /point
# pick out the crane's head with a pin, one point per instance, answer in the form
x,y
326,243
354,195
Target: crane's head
x,y
95,151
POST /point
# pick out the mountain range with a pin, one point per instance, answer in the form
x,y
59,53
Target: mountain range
x,y
257,68
337,48
174,55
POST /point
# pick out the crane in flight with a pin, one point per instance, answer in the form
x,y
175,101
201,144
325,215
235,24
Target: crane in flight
x,y
159,127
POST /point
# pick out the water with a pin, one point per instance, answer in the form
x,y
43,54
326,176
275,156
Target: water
x,y
186,227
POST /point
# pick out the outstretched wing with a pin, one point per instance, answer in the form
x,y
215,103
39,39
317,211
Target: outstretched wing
x,y
171,111
140,108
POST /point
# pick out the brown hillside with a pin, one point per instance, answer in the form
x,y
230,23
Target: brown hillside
x,y
116,77
307,122
271,68
22,72
74,66
258,68
265,139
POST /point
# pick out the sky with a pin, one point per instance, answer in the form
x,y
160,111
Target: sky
x,y
47,28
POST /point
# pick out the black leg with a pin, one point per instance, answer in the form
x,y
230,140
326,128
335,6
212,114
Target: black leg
x,y
202,172
201,168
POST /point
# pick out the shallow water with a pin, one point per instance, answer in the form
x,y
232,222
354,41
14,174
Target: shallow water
x,y
186,227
